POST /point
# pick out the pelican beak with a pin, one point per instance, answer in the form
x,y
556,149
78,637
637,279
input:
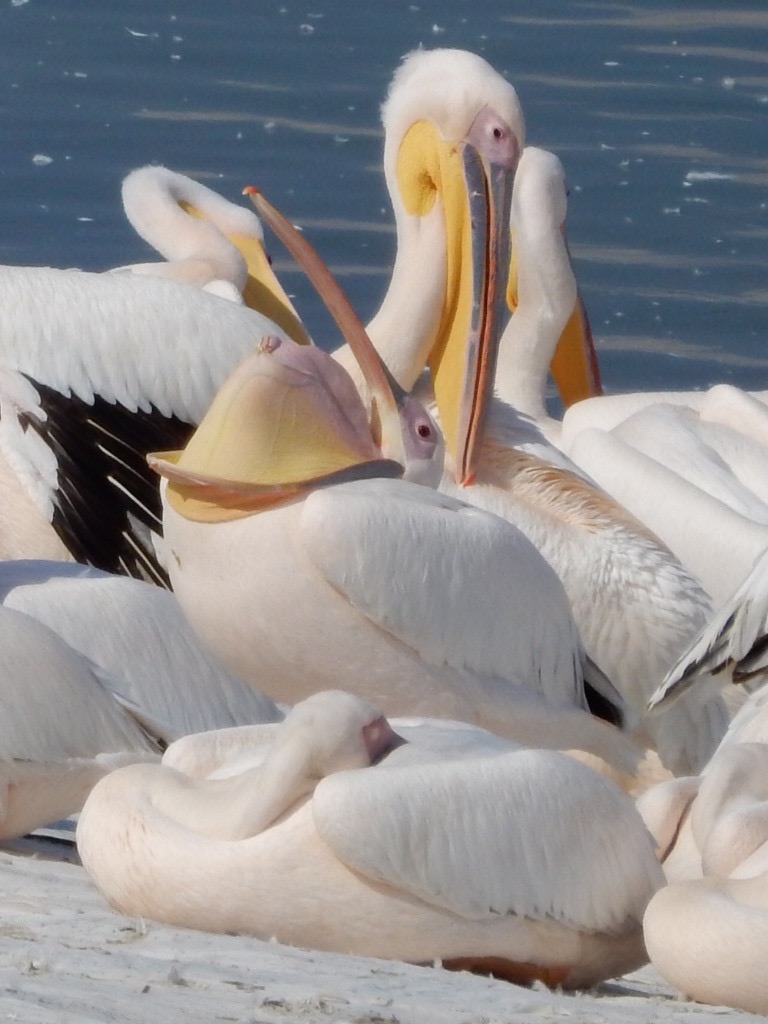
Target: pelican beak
x,y
286,421
393,408
574,365
472,179
263,292
463,358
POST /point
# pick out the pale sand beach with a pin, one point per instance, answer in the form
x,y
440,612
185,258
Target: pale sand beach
x,y
66,958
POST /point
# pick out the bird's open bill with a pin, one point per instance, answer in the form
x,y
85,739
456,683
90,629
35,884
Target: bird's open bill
x,y
287,420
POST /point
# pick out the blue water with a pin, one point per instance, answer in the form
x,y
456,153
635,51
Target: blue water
x,y
658,111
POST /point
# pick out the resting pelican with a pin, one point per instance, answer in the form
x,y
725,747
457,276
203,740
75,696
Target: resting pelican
x,y
62,726
635,605
716,823
299,583
709,938
135,632
537,867
205,240
707,931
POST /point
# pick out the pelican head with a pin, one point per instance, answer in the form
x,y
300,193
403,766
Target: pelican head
x,y
286,421
184,220
454,132
289,419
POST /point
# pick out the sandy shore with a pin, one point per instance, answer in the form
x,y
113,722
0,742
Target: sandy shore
x,y
66,958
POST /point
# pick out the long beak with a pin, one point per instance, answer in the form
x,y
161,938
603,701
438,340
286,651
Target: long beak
x,y
286,421
463,368
263,292
388,397
574,365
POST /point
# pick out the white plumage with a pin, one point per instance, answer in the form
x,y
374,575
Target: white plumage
x,y
63,727
98,370
137,634
635,605
522,856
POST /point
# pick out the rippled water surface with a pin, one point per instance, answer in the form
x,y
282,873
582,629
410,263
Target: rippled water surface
x,y
658,111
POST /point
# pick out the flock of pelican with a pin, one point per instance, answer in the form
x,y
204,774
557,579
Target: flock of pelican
x,y
438,676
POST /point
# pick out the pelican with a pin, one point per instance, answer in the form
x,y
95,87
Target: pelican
x,y
317,848
707,931
689,465
709,939
63,726
299,576
136,633
697,485
441,105
206,240
635,605
715,543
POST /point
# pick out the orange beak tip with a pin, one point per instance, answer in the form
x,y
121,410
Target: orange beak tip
x,y
251,190
465,481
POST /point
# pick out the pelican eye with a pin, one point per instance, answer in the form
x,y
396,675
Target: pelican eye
x,y
424,430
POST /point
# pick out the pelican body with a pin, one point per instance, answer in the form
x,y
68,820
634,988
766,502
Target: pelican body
x,y
634,603
364,581
511,884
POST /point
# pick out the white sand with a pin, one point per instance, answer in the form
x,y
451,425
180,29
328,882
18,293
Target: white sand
x,y
66,958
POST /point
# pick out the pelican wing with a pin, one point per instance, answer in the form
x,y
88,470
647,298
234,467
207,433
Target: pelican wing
x,y
459,586
531,833
95,371
157,665
733,645
54,706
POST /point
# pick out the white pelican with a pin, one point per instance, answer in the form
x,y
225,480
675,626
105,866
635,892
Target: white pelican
x,y
699,486
296,581
440,104
709,938
135,632
715,544
635,605
707,931
302,585
659,444
206,240
63,727
537,867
